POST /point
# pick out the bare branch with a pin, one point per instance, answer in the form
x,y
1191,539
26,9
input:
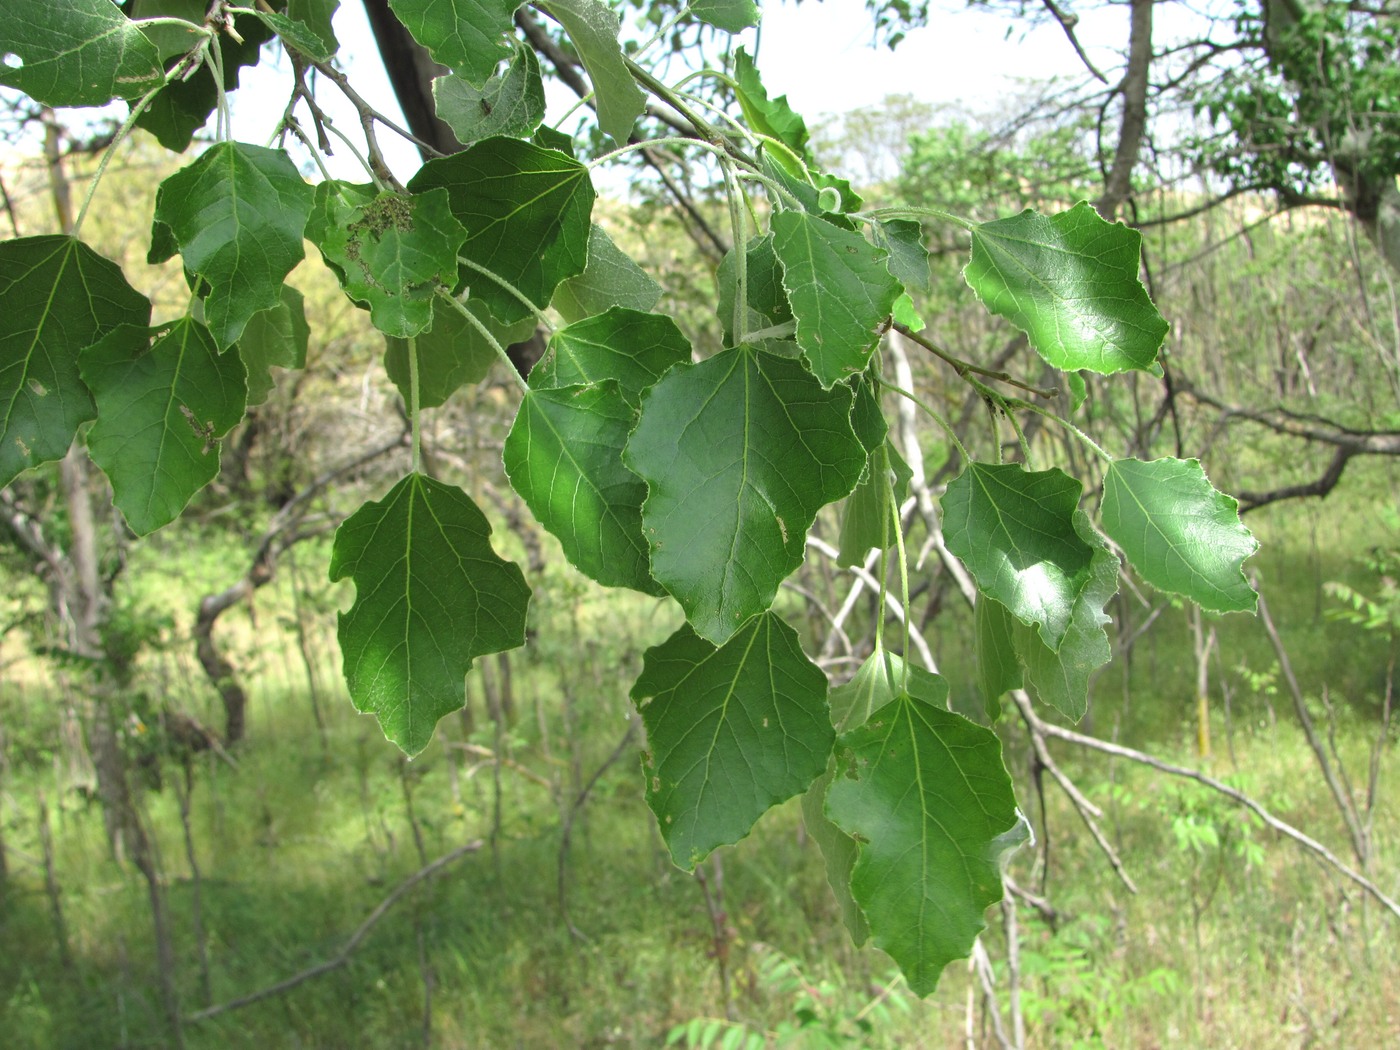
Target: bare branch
x,y
351,945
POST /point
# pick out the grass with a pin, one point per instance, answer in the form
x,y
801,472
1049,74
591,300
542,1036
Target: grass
x,y
1235,939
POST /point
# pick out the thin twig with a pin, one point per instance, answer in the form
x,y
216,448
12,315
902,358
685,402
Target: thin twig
x,y
966,369
1281,826
351,945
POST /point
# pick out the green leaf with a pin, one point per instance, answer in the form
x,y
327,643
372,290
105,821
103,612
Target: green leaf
x,y
526,210
879,681
170,39
733,16
274,338
1070,282
1014,529
564,457
59,296
925,795
868,520
331,202
164,398
395,252
316,15
739,453
453,353
550,138
636,349
237,214
771,117
868,416
767,300
611,278
86,53
1061,677
998,668
840,292
593,27
509,103
183,106
908,258
1179,532
430,597
469,37
297,35
731,732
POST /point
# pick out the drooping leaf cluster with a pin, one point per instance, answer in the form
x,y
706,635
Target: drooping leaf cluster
x,y
690,479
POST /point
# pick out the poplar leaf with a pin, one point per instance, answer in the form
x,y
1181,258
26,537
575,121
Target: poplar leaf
x,y
165,396
908,258
635,349
1014,529
593,27
925,796
509,103
452,353
766,299
394,253
236,215
469,37
1179,532
431,595
771,117
1070,282
564,457
840,291
611,278
59,296
731,732
733,16
84,54
526,211
998,667
1060,677
274,338
734,480
878,682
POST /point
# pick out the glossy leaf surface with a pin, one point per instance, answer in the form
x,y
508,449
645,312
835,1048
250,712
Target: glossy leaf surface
x,y
1014,530
611,278
564,457
1070,282
635,349
469,37
1179,531
85,54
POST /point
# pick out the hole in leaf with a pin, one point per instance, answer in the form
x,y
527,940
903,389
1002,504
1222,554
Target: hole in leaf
x,y
11,61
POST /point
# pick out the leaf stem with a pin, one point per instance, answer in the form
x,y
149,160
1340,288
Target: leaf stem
x,y
190,61
738,231
1090,442
414,405
485,333
939,214
515,292
894,516
634,147
942,423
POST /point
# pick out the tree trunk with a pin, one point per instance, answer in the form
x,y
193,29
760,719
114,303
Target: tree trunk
x,y
1119,185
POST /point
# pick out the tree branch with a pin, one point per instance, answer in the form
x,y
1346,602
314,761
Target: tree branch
x,y
351,945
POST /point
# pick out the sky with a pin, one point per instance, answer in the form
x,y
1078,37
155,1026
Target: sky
x,y
820,54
